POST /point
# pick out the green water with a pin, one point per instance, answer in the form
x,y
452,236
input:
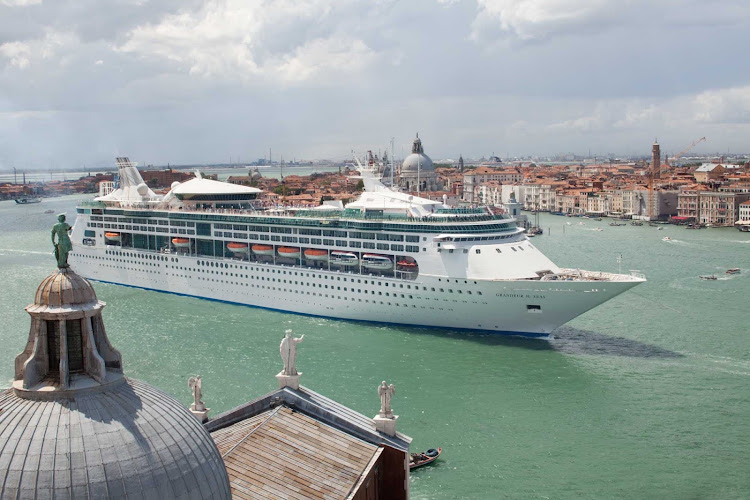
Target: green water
x,y
647,396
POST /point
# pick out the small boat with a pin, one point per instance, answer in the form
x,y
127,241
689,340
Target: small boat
x,y
289,252
599,219
339,258
636,223
27,199
375,261
666,238
598,229
660,229
708,277
237,247
49,211
181,242
615,224
113,236
316,254
262,249
734,270
419,459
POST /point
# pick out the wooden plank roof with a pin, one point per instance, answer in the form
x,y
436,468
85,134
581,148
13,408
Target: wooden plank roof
x,y
283,453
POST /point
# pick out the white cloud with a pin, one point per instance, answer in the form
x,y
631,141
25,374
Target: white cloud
x,y
727,106
19,3
21,55
285,41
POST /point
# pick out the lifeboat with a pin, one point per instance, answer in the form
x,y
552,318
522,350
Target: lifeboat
x,y
113,236
181,242
289,252
375,261
315,254
407,265
237,247
262,249
344,258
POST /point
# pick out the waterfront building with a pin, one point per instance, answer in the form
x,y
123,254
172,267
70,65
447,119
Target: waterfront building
x,y
744,216
539,196
489,193
482,174
417,171
720,208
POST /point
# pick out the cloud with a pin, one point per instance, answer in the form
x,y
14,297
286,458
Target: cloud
x,y
287,42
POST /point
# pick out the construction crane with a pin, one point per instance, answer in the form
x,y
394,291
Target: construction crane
x,y
692,145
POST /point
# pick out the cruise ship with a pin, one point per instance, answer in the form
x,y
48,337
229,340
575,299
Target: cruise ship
x,y
387,257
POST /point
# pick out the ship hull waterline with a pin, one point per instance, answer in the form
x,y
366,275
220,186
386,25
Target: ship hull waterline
x,y
515,307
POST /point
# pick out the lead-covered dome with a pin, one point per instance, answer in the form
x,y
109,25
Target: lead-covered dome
x,y
124,440
417,160
64,288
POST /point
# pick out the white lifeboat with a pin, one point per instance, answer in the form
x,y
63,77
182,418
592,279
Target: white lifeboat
x,y
262,249
238,247
113,236
375,261
316,254
339,258
181,242
289,252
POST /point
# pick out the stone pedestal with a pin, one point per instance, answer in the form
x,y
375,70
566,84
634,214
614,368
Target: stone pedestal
x,y
386,425
200,412
288,380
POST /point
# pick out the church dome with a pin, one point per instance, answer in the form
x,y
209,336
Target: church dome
x,y
64,288
124,440
417,160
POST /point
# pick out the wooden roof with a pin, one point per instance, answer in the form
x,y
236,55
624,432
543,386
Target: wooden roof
x,y
282,453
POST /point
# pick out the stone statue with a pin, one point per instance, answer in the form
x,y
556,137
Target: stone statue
x,y
195,384
63,245
386,392
288,350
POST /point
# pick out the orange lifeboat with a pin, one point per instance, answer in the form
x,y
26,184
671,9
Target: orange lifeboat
x,y
316,254
289,252
181,242
407,264
238,247
262,249
113,236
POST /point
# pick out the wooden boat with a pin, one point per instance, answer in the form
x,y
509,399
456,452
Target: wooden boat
x,y
289,252
316,254
262,249
238,247
734,270
375,261
419,459
181,242
113,236
708,277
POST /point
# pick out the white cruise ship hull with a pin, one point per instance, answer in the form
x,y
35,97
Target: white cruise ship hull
x,y
531,307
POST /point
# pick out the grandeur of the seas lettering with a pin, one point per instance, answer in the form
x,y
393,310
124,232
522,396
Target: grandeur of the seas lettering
x,y
520,296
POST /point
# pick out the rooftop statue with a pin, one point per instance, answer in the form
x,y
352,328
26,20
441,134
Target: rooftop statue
x,y
196,385
288,350
386,392
63,245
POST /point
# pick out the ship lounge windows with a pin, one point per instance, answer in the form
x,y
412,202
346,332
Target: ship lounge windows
x,y
533,308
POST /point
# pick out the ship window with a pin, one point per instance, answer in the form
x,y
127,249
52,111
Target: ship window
x,y
479,250
534,308
514,249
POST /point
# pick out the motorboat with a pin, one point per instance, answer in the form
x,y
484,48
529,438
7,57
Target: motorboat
x,y
734,270
112,236
347,259
708,277
375,261
417,460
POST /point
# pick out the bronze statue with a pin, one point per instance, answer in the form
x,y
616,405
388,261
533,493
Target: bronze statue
x,y
63,245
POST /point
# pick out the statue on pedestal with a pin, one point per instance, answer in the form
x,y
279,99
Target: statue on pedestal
x,y
386,392
195,384
63,245
288,350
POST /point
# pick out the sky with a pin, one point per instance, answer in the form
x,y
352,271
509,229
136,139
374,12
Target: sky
x,y
188,81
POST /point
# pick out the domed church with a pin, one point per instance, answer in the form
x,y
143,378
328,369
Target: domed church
x,y
417,171
74,426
